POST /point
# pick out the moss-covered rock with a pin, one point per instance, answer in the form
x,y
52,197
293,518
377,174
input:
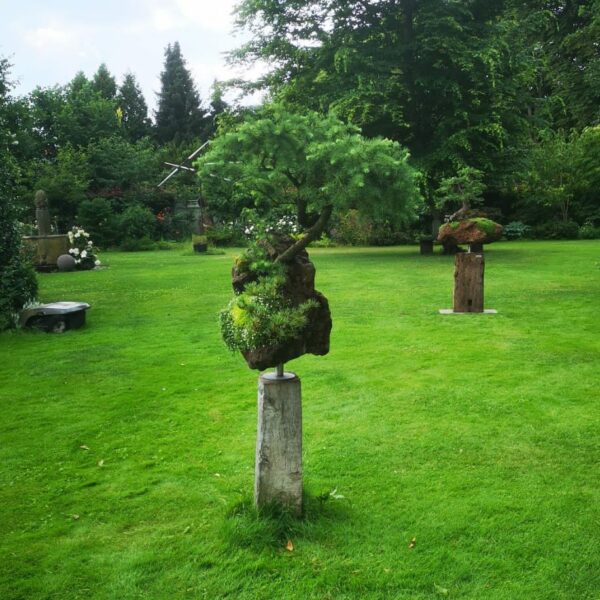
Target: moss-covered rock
x,y
476,230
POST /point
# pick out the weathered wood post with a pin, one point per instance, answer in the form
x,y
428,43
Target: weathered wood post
x,y
278,474
468,282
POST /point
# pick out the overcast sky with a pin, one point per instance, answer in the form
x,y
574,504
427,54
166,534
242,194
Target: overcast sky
x,y
48,41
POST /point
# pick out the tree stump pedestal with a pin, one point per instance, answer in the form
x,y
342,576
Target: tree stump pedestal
x,y
468,285
278,475
468,282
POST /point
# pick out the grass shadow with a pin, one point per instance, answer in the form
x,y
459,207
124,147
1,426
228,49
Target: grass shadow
x,y
271,527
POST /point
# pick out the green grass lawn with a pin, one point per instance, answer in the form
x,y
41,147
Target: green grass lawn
x,y
127,447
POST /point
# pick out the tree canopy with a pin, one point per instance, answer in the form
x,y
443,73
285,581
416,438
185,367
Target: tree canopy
x,y
311,165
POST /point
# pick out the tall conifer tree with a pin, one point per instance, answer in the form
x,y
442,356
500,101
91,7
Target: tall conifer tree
x,y
179,116
104,83
134,110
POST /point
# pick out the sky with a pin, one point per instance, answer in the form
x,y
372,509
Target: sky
x,y
49,41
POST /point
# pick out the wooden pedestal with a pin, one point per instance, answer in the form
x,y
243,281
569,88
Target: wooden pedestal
x,y
468,282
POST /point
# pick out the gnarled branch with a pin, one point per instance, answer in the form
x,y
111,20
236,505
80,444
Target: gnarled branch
x,y
312,234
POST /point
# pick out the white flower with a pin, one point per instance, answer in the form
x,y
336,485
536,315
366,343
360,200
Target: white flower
x,y
74,251
83,254
90,244
87,235
97,263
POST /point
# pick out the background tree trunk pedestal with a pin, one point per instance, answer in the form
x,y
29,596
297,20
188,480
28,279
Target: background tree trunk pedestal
x,y
468,284
278,475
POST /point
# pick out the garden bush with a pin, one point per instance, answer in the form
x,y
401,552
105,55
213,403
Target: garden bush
x,y
97,216
136,223
18,283
226,234
516,230
352,229
588,231
557,230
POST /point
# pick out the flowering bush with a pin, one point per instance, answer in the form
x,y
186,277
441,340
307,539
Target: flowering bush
x,y
82,249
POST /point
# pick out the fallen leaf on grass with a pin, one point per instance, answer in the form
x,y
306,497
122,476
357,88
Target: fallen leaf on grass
x,y
84,447
289,546
101,463
413,543
75,517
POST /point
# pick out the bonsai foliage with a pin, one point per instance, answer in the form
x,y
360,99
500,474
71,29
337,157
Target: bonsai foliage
x,y
262,315
465,189
311,165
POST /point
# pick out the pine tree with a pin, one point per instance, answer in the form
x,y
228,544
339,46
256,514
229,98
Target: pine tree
x,y
133,109
104,83
180,116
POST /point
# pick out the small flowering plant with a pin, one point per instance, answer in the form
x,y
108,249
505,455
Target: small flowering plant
x,y
256,228
82,249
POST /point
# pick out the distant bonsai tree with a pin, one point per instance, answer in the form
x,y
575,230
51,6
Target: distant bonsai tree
x,y
465,189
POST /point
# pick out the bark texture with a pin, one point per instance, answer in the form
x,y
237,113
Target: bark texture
x,y
468,282
278,474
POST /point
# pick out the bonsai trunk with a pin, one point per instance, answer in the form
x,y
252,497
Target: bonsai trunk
x,y
311,235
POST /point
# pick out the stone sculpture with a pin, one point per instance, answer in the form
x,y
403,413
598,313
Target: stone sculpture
x,y
42,214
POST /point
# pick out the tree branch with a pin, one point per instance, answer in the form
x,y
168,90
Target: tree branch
x,y
312,234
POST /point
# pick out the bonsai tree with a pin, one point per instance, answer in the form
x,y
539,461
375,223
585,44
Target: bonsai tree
x,y
465,226
465,189
307,166
293,171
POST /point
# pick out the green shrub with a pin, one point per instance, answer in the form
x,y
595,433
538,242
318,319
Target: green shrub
x,y
137,223
385,234
18,283
352,229
323,242
557,230
589,232
516,230
18,286
226,234
97,216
